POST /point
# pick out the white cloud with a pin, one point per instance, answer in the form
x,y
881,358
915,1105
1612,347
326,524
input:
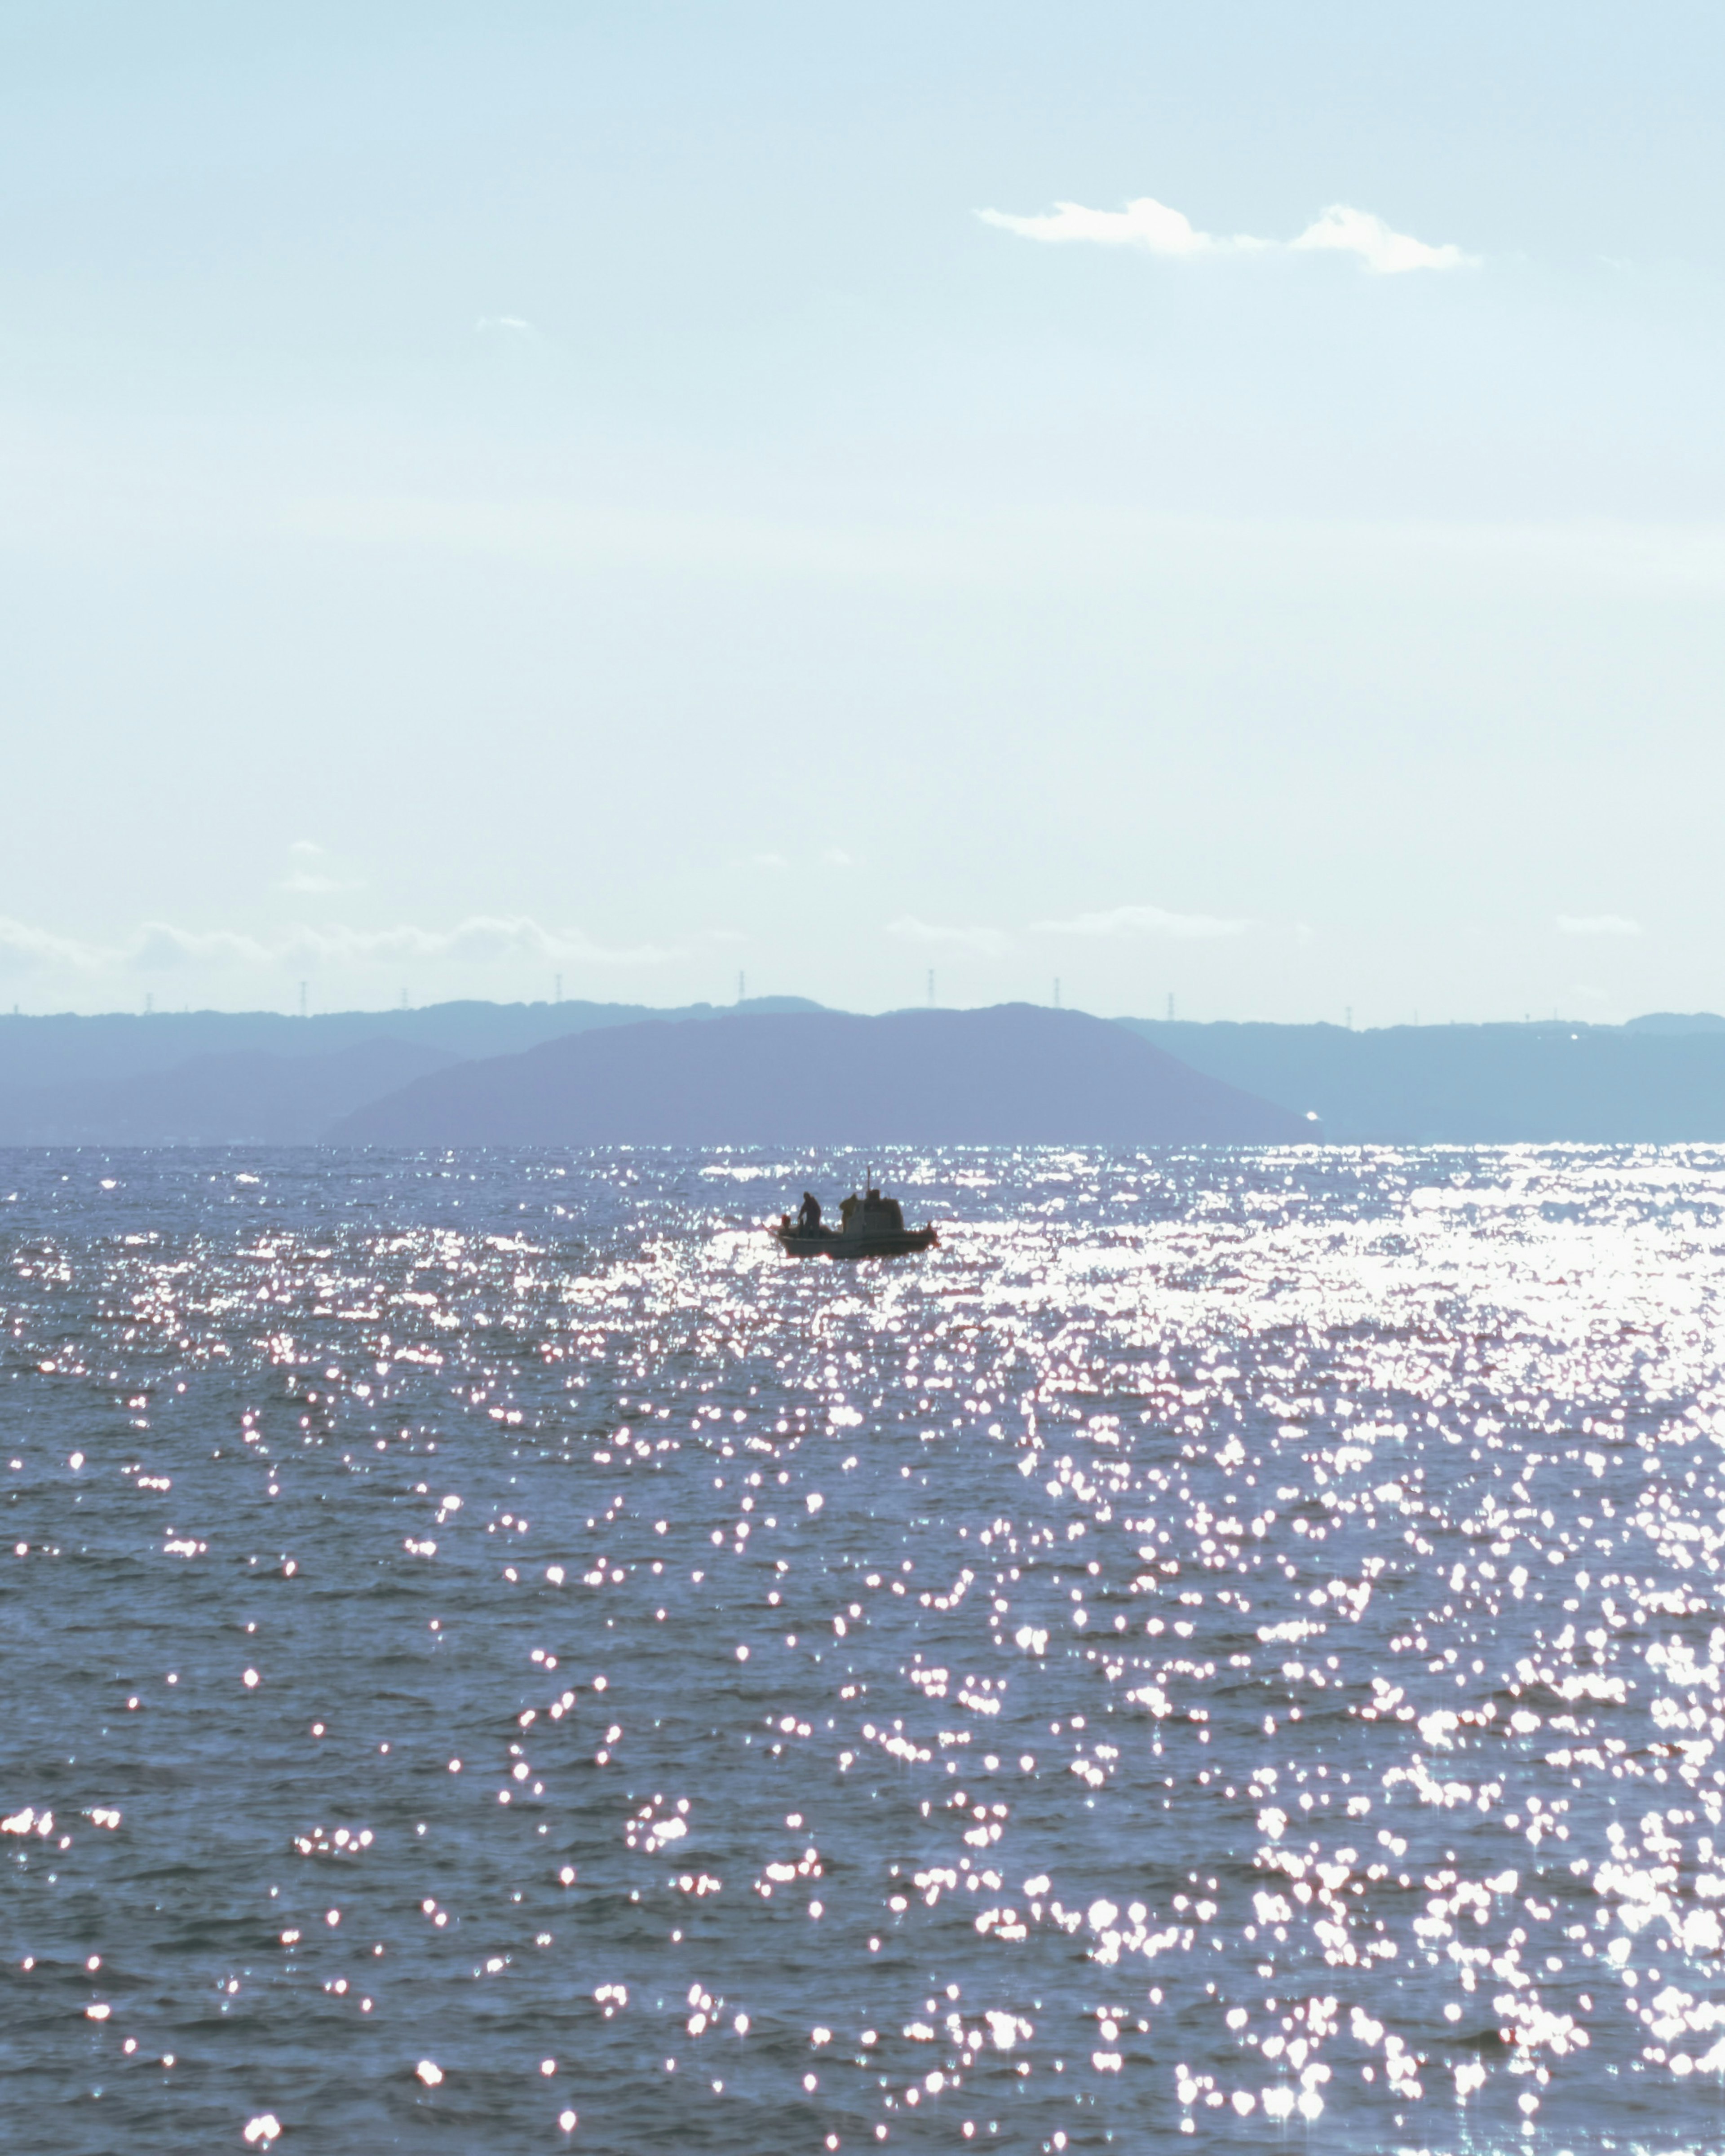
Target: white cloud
x,y
1143,921
987,942
831,857
1152,226
508,322
158,947
307,879
482,939
1597,924
305,884
1145,223
1344,231
24,949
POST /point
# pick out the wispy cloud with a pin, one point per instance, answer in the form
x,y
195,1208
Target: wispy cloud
x,y
1152,226
830,857
511,324
26,949
1597,924
987,942
1145,223
158,947
306,883
1143,921
306,879
482,939
1344,231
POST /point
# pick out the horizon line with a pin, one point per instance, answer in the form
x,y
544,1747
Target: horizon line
x,y
790,1004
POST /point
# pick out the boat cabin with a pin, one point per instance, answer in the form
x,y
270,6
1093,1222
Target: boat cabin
x,y
871,1214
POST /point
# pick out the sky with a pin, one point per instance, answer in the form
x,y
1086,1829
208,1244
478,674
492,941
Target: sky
x,y
1220,503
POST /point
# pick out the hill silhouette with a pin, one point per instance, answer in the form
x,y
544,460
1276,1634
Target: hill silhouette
x,y
1659,1080
259,1077
244,1098
50,1048
1016,1073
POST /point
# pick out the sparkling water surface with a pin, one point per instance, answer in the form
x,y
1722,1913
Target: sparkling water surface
x,y
1225,1650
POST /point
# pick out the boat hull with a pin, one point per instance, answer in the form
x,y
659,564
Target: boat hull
x,y
825,1243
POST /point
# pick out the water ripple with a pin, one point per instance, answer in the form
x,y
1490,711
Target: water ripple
x,y
1231,1639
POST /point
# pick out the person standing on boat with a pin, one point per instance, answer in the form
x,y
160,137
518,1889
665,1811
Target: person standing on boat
x,y
809,1219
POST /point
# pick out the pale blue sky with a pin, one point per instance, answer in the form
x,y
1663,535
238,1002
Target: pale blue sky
x,y
491,492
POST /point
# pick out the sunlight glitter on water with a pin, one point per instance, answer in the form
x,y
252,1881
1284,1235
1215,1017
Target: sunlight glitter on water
x,y
1227,1639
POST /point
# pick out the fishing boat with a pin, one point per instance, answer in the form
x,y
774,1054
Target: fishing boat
x,y
870,1226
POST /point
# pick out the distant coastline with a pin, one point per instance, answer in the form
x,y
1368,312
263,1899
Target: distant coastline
x,y
211,1077
1011,1075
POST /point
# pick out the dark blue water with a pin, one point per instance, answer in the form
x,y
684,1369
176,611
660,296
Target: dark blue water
x,y
497,1659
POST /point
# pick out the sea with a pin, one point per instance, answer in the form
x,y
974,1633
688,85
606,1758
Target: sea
x,y
1223,1653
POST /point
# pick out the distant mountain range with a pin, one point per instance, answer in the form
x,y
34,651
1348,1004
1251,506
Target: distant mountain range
x,y
783,1068
1658,1080
259,1077
1015,1074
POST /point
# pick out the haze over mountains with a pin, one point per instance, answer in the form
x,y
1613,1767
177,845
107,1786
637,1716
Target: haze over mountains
x,y
217,1078
1657,1081
1014,1075
237,1077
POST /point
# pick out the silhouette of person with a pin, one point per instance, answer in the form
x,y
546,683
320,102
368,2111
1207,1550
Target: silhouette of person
x,y
809,1217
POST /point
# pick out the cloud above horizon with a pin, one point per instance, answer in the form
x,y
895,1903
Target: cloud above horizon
x,y
988,943
306,884
158,947
1143,921
1156,229
310,881
1342,230
1597,924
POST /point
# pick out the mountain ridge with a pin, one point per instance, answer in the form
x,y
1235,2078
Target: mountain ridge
x,y
1010,1074
263,1077
1548,1083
